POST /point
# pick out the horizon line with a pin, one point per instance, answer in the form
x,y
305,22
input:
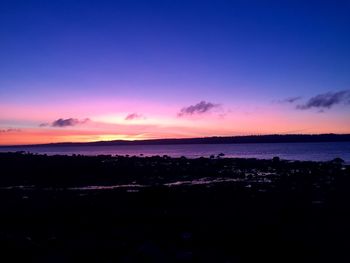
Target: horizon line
x,y
175,139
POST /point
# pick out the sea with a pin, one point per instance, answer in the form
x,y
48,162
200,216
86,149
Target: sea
x,y
323,151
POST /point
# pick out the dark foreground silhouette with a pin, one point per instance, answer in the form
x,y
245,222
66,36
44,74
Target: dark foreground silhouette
x,y
161,209
272,138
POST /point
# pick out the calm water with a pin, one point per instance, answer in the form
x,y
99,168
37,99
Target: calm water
x,y
290,151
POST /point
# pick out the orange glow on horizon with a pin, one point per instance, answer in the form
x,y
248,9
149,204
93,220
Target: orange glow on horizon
x,y
159,122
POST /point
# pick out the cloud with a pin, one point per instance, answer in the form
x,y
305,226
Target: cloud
x,y
326,100
199,108
288,100
133,116
65,122
292,99
10,130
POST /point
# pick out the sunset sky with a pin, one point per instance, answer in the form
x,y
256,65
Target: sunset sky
x,y
103,70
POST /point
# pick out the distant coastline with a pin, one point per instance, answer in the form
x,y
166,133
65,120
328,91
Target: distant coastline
x,y
274,138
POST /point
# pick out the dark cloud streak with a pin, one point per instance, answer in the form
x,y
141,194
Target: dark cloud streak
x,y
326,100
199,108
10,130
292,99
133,116
65,122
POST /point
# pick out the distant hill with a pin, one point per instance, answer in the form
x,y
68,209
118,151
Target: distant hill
x,y
275,138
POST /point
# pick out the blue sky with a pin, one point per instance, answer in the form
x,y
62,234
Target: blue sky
x,y
173,52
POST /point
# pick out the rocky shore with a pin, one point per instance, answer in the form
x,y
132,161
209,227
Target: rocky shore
x,y
162,209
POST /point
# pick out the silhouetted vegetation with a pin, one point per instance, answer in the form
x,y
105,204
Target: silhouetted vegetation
x,y
274,138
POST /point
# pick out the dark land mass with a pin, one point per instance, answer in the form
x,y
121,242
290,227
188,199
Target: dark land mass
x,y
162,209
274,138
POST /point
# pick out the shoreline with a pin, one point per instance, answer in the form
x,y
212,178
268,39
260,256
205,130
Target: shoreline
x,y
313,151
192,210
68,170
243,139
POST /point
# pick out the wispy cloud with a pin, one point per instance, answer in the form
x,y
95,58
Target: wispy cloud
x,y
199,108
288,100
292,99
65,122
134,116
10,130
326,100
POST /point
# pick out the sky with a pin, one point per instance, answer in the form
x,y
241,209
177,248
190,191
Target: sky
x,y
103,70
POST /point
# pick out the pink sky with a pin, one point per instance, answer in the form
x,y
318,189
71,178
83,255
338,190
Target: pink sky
x,y
29,124
227,67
